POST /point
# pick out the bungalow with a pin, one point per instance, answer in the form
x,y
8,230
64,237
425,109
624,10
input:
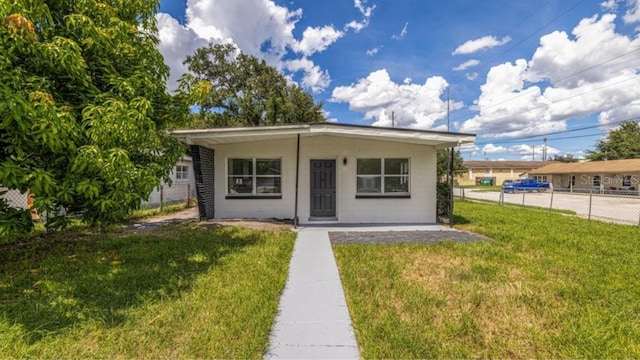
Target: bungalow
x,y
182,186
318,172
498,171
593,175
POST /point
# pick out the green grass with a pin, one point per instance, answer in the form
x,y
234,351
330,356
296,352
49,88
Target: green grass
x,y
546,286
182,291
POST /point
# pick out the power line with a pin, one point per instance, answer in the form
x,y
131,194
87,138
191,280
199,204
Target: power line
x,y
524,92
528,36
535,137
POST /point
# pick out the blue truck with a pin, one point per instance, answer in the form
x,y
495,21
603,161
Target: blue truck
x,y
524,185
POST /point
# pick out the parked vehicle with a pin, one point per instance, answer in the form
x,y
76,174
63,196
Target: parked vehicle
x,y
524,185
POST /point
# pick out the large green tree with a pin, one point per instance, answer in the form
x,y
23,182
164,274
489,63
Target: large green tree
x,y
83,107
620,143
231,88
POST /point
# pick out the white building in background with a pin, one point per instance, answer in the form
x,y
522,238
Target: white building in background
x,y
182,186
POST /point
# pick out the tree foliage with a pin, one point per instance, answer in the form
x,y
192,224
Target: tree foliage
x,y
83,107
231,88
620,143
566,158
444,156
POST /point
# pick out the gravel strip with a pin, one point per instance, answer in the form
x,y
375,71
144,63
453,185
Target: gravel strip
x,y
396,237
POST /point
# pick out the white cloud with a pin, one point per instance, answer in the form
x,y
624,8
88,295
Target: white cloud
x,y
314,78
535,97
483,43
609,5
317,39
471,76
633,14
374,51
407,81
492,149
366,12
402,34
414,105
466,65
260,28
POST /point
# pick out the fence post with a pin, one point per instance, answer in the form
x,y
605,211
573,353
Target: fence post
x,y
188,195
551,204
501,198
523,192
462,193
161,197
590,202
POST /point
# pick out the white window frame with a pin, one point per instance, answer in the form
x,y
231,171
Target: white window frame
x,y
254,176
182,172
627,180
541,178
382,175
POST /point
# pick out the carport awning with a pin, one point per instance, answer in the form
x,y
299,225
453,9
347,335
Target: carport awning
x,y
213,136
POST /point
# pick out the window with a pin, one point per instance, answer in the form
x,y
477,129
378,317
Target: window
x,y
541,178
382,177
254,177
182,172
573,180
596,180
626,180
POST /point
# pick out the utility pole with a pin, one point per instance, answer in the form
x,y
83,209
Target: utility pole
x,y
393,119
544,150
533,155
450,165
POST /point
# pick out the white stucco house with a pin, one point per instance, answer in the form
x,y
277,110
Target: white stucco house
x,y
182,185
318,173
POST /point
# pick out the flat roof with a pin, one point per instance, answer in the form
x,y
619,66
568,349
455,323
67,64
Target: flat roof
x,y
215,136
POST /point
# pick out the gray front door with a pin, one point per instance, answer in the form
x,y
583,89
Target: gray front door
x,y
323,188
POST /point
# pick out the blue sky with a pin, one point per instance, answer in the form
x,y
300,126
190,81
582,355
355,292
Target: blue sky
x,y
515,70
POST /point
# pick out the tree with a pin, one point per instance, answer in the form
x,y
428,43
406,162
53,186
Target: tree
x,y
444,156
83,107
566,158
620,143
231,88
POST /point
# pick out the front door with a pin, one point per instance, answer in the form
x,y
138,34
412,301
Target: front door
x,y
323,188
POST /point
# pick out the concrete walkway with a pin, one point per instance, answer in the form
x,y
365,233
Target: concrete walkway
x,y
313,320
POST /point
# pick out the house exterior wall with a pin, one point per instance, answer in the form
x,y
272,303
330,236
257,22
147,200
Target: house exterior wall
x,y
501,174
608,181
179,190
419,208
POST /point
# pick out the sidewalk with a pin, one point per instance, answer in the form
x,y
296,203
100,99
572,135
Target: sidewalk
x,y
313,320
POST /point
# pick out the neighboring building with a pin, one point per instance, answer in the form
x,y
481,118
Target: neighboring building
x,y
499,171
593,175
182,187
318,172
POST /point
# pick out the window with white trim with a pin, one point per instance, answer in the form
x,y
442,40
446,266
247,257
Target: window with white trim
x,y
182,172
626,180
383,177
541,178
254,177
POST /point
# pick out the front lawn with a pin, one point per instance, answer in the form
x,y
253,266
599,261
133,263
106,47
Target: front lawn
x,y
183,291
546,286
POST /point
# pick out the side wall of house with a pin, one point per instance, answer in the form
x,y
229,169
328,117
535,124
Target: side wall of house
x,y
419,208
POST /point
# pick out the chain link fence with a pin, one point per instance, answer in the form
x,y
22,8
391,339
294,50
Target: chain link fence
x,y
616,206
